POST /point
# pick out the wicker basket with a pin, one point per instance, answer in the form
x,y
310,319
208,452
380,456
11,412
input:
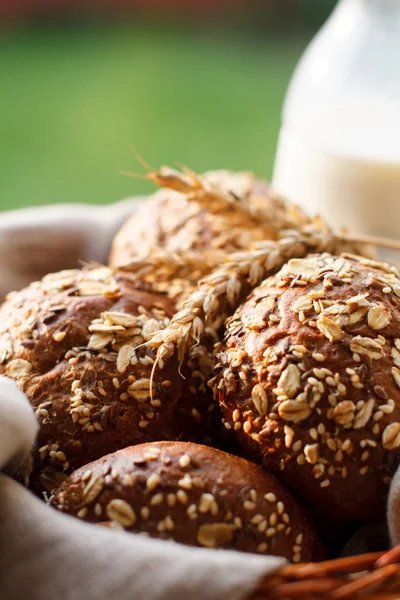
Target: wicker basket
x,y
375,576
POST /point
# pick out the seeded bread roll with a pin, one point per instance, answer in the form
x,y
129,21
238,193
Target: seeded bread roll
x,y
171,221
191,494
74,343
308,376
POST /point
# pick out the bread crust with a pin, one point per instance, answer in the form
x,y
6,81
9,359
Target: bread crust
x,y
172,221
75,344
308,377
192,494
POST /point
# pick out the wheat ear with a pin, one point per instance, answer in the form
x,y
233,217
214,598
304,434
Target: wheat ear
x,y
198,189
172,264
221,291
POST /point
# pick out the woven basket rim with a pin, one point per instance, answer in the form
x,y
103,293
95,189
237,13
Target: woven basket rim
x,y
372,576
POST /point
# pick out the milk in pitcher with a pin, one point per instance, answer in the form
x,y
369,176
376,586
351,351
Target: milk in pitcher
x,y
339,147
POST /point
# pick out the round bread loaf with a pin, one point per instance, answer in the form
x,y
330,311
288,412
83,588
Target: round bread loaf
x,y
176,222
308,376
191,494
186,230
75,344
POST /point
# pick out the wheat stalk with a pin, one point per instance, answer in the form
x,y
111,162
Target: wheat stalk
x,y
371,240
173,273
172,264
221,291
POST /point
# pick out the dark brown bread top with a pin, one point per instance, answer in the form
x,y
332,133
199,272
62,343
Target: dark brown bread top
x,y
308,376
171,221
191,494
74,342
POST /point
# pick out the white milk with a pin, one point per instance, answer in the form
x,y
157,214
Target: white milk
x,y
339,147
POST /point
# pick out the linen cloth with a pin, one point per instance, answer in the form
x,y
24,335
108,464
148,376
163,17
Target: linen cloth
x,y
37,241
394,509
45,555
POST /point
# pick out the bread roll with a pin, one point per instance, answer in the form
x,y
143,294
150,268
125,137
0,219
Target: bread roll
x,y
308,377
75,344
191,494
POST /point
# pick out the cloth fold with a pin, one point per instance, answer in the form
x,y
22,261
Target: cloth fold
x,y
37,241
17,426
393,512
46,555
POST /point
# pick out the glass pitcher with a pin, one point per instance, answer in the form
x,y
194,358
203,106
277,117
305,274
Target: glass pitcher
x,y
338,153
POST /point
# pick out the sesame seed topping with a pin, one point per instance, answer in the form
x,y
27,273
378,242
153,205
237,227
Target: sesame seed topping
x,y
311,452
153,481
271,531
59,336
236,415
297,557
186,482
192,511
297,446
247,426
270,497
205,503
157,499
262,526
145,512
256,519
181,496
171,499
346,445
184,461
273,519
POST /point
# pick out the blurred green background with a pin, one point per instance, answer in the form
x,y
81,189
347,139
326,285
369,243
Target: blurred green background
x,y
76,92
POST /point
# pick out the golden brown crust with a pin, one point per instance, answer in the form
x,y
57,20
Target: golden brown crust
x,y
308,376
191,494
69,341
